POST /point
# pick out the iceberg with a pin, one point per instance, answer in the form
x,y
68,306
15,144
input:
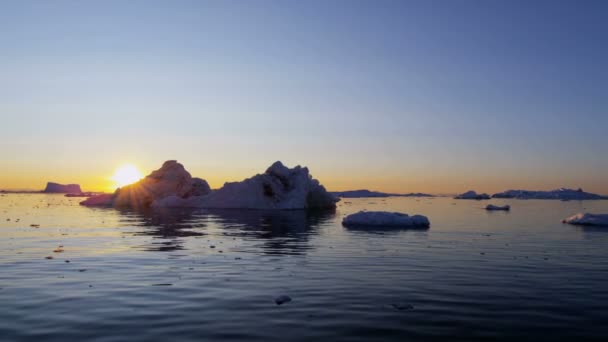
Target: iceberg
x,y
277,188
172,186
171,179
587,219
62,188
563,194
472,195
364,193
385,219
496,207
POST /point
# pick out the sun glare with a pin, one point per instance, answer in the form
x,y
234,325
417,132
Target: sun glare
x,y
126,175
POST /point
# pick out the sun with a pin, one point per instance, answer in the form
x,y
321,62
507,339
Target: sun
x,y
125,175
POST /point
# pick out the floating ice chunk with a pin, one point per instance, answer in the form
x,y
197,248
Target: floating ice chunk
x,y
587,219
472,195
497,207
385,219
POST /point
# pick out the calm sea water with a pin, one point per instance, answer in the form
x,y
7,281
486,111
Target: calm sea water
x,y
210,275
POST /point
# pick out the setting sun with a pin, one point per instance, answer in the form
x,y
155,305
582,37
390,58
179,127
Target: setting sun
x,y
125,175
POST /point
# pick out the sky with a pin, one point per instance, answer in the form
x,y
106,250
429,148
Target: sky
x,y
399,96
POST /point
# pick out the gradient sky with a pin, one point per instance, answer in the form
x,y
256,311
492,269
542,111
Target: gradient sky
x,y
432,96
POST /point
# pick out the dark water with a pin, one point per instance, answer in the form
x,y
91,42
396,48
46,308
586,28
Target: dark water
x,y
141,276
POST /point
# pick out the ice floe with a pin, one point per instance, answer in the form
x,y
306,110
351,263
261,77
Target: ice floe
x,y
587,219
498,207
385,219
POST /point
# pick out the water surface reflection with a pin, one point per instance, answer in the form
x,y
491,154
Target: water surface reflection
x,y
278,232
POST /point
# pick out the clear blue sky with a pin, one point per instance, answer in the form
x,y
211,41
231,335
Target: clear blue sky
x,y
436,96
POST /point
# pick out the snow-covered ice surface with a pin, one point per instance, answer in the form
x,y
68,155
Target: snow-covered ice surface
x,y
557,194
473,196
588,219
498,207
172,186
385,219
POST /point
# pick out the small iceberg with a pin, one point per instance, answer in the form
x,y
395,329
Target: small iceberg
x,y
384,219
498,207
587,219
472,195
62,188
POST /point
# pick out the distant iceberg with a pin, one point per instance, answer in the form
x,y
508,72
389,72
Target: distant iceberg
x,y
558,194
472,195
384,219
364,193
496,207
172,186
62,188
588,219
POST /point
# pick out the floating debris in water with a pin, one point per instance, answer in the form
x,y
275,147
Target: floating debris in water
x,y
82,270
212,246
35,225
162,285
58,250
67,261
49,257
282,299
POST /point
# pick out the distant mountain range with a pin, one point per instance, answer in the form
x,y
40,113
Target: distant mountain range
x,y
367,193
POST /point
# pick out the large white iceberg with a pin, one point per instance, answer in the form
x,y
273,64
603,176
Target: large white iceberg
x,y
472,195
277,188
557,194
587,219
385,219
